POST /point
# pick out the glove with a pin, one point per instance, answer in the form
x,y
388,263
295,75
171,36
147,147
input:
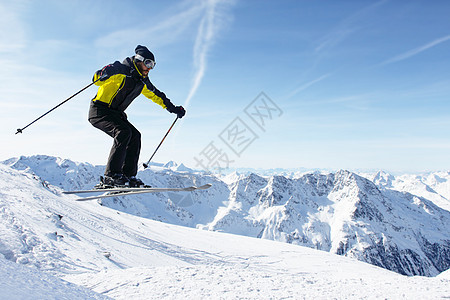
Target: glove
x,y
179,111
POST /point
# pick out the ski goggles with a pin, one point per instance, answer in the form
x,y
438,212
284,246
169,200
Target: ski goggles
x,y
147,61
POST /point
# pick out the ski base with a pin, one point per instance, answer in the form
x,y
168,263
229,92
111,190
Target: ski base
x,y
118,192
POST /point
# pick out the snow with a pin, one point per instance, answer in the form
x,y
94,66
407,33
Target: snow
x,y
434,186
20,282
47,237
445,275
263,282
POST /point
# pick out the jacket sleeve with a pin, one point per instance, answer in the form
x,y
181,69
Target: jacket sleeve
x,y
151,92
111,69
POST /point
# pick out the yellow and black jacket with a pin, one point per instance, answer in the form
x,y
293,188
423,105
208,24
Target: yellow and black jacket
x,y
123,85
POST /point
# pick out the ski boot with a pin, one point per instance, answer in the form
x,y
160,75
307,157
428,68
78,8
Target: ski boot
x,y
137,183
117,180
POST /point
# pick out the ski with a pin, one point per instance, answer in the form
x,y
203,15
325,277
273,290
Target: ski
x,y
105,190
135,191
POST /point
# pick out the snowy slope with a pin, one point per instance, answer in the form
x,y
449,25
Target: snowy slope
x,y
129,257
342,213
20,282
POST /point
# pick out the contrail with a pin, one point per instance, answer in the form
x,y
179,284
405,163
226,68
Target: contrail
x,y
207,32
416,50
308,84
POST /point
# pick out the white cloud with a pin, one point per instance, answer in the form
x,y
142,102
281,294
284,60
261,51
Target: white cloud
x,y
12,35
346,28
165,32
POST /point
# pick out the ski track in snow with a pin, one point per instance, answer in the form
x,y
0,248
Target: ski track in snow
x,y
50,237
235,282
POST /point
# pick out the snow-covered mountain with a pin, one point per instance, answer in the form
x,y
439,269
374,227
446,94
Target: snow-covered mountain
x,y
62,173
433,186
46,236
341,212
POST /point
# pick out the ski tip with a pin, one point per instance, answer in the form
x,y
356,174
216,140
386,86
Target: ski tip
x,y
195,188
205,186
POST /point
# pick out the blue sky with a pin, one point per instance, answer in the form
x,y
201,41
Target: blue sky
x,y
357,85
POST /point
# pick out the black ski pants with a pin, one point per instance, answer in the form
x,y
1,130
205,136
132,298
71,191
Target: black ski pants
x,y
124,154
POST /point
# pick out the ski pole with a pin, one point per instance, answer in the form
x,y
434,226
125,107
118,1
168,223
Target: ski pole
x,y
146,164
22,129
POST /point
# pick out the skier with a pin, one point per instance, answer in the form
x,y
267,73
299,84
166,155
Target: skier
x,y
119,84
